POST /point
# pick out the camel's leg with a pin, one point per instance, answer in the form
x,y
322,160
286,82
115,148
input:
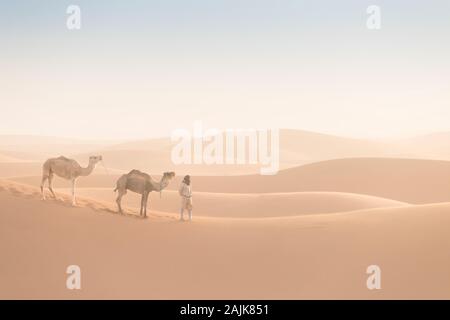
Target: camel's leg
x,y
119,200
50,187
44,178
145,205
74,203
142,205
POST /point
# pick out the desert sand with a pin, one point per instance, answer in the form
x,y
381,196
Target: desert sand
x,y
249,205
309,231
305,256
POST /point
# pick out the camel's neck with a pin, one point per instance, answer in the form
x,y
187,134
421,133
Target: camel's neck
x,y
161,185
88,170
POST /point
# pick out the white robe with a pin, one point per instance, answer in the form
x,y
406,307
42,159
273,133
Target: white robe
x,y
186,196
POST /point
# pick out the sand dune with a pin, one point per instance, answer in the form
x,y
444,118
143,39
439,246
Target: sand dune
x,y
431,146
37,148
5,158
312,256
21,169
312,147
158,162
296,148
406,180
98,179
308,232
31,172
20,156
219,204
34,193
249,205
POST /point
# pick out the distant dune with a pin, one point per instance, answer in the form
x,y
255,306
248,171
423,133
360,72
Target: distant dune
x,y
157,162
5,158
313,256
21,169
42,146
20,156
297,148
431,146
406,180
31,172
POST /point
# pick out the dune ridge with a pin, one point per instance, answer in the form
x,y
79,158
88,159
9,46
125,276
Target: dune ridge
x,y
250,205
64,199
214,204
5,158
415,181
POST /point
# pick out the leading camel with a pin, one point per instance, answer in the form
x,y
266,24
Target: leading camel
x,y
68,169
141,183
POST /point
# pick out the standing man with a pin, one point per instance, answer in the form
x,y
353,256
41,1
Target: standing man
x,y
186,197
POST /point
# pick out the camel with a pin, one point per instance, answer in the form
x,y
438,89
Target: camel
x,y
141,183
68,169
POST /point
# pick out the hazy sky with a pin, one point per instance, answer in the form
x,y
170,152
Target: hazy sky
x,y
144,68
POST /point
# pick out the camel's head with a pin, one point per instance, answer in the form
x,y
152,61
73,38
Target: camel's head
x,y
165,180
95,159
167,176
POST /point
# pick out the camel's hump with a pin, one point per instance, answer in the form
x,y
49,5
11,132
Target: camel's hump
x,y
63,158
139,173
